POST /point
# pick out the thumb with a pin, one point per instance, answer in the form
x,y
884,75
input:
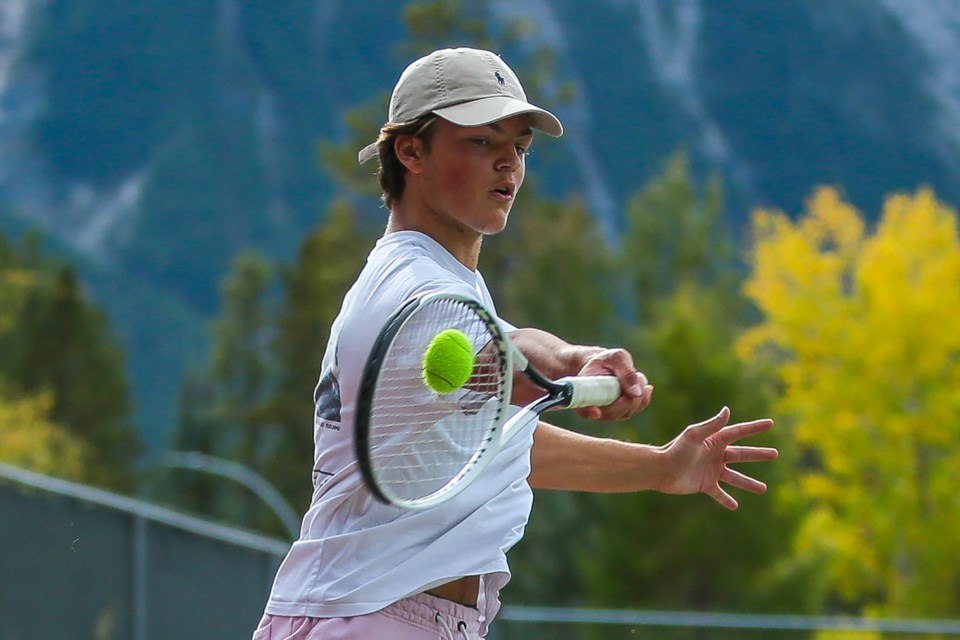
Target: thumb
x,y
590,413
712,425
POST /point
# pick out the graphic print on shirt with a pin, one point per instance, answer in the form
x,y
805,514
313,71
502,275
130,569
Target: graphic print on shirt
x,y
327,400
327,404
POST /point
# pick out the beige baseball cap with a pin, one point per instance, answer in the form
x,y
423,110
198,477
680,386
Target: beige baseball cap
x,y
468,87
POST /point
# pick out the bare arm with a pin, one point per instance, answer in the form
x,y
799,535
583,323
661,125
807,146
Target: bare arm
x,y
693,462
571,461
552,355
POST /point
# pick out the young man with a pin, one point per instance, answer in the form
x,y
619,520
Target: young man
x,y
452,159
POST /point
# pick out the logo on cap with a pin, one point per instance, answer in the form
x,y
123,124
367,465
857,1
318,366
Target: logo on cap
x,y
499,78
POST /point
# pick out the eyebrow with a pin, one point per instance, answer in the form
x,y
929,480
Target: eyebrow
x,y
528,132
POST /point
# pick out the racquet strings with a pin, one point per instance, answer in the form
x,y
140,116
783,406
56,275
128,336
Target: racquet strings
x,y
421,442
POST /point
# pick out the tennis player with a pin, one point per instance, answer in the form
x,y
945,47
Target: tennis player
x,y
452,160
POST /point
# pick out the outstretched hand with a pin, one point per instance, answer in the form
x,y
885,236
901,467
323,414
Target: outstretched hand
x,y
697,459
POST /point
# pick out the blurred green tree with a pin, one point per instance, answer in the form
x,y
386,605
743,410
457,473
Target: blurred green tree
x,y
650,550
252,402
58,357
28,437
220,407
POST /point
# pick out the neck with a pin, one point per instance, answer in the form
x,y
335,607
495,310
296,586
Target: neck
x,y
462,243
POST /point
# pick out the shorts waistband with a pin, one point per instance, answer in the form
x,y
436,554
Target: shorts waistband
x,y
422,609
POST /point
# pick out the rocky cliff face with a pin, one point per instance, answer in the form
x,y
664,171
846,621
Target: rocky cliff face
x,y
153,140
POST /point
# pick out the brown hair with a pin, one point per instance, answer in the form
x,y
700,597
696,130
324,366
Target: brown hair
x,y
392,173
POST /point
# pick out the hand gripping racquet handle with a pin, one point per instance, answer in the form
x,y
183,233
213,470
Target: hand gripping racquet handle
x,y
591,391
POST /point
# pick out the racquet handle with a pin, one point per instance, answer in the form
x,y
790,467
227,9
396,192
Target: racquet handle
x,y
592,391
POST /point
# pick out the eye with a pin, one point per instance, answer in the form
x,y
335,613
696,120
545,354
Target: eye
x,y
480,141
522,150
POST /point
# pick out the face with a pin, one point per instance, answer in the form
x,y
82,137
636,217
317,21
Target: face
x,y
468,178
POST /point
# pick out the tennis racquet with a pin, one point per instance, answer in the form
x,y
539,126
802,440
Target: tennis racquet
x,y
418,448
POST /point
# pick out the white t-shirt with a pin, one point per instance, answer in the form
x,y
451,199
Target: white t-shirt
x,y
356,555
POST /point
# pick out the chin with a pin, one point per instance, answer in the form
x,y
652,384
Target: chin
x,y
494,228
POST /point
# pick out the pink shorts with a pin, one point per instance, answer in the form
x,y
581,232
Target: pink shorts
x,y
419,617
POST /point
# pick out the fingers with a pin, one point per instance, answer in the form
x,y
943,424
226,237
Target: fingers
x,y
725,500
626,406
712,425
746,429
750,454
633,382
735,479
615,362
742,481
636,389
715,430
590,413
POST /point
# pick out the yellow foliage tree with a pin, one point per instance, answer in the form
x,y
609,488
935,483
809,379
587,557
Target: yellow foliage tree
x,y
28,438
863,332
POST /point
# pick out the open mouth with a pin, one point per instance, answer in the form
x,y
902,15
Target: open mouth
x,y
504,191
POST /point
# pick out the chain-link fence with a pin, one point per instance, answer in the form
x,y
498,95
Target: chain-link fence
x,y
78,563
82,564
516,623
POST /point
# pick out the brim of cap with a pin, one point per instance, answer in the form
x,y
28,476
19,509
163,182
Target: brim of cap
x,y
367,153
477,113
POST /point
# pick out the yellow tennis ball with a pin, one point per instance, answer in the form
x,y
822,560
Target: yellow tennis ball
x,y
448,361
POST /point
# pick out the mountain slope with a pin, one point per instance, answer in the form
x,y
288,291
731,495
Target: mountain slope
x,y
155,140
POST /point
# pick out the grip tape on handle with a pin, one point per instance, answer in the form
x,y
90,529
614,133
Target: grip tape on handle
x,y
592,391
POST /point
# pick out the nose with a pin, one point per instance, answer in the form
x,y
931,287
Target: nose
x,y
509,159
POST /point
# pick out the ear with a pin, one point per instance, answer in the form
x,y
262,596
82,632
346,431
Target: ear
x,y
410,151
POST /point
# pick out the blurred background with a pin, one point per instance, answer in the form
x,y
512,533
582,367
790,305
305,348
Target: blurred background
x,y
757,198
